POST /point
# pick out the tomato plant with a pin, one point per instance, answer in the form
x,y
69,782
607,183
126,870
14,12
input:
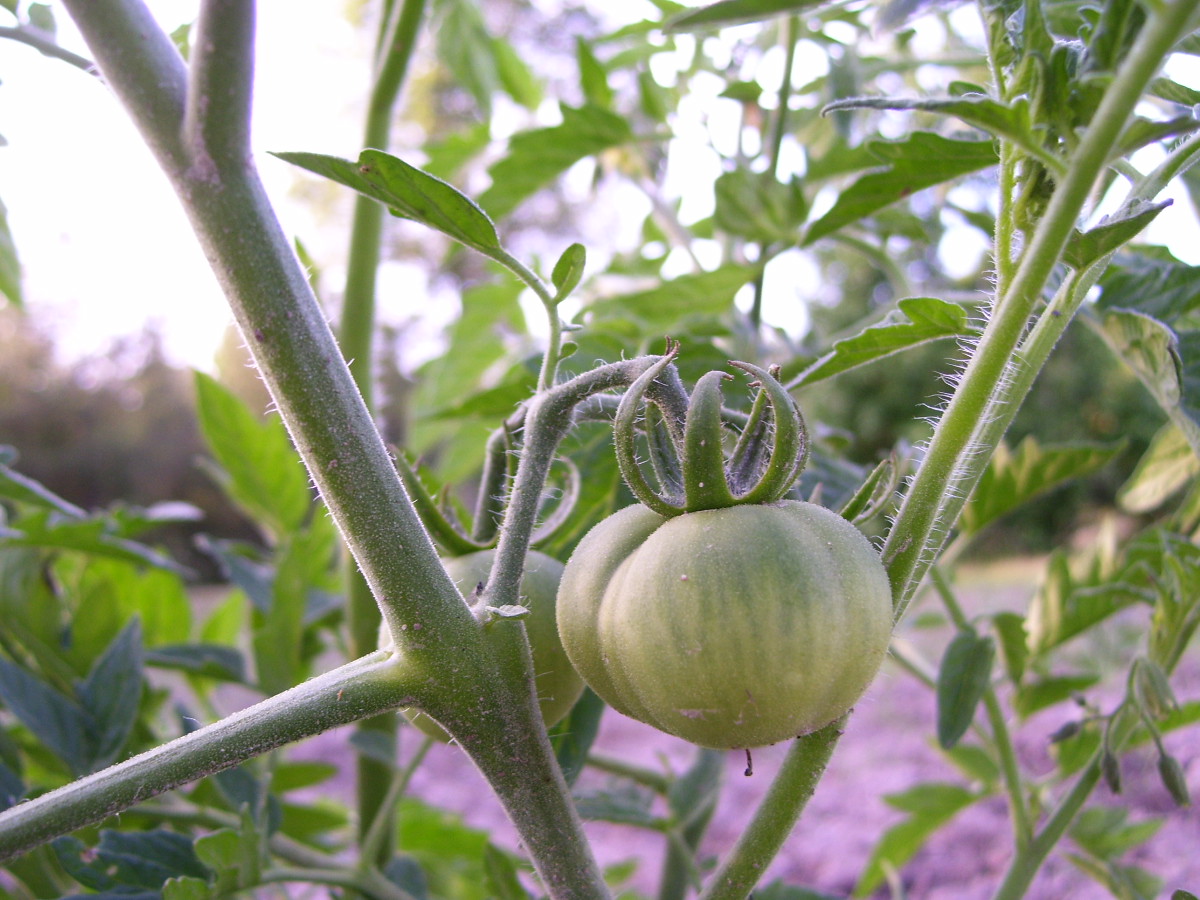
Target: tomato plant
x,y
556,682
1046,134
732,627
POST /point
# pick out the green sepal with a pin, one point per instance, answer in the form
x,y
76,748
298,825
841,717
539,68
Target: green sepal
x,y
561,511
435,519
624,427
705,485
789,449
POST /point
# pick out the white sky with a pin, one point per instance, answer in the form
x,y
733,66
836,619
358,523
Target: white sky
x,y
104,245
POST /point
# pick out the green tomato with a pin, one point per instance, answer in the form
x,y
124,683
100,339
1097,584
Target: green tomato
x,y
558,685
734,627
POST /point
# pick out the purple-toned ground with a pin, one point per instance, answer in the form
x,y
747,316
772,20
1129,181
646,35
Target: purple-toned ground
x,y
887,748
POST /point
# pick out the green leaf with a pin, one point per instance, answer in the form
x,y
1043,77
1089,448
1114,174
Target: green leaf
x,y
1168,464
730,12
758,206
1124,882
655,100
407,192
293,776
1086,247
94,536
1164,361
500,874
206,660
1014,478
109,593
32,610
976,763
1152,281
568,271
963,677
446,157
124,860
405,872
259,469
516,77
1009,122
450,853
916,321
233,854
1104,832
12,788
187,888
467,49
112,693
535,158
876,493
1075,752
309,822
929,807
10,263
620,801
57,721
1175,92
41,16
1147,308
1046,692
1014,649
446,384
23,489
673,302
302,567
573,736
1069,602
920,161
1143,132
592,76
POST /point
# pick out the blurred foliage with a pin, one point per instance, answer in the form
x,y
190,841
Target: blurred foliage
x,y
114,427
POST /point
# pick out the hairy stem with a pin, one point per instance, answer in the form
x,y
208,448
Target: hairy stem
x,y
479,670
397,38
346,694
773,821
46,45
955,457
275,308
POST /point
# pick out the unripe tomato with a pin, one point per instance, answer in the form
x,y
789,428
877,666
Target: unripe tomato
x,y
558,685
733,627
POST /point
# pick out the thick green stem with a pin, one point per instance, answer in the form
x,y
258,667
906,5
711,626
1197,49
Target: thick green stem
x,y
477,670
361,688
397,38
789,793
46,45
955,457
274,305
547,420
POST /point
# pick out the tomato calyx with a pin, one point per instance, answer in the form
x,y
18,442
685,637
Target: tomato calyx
x,y
687,450
457,537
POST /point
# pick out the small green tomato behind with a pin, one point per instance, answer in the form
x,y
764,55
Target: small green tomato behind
x,y
715,610
558,685
734,627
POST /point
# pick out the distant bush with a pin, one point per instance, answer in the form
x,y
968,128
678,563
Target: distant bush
x,y
120,426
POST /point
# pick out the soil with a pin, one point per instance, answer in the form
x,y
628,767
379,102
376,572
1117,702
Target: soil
x,y
887,747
